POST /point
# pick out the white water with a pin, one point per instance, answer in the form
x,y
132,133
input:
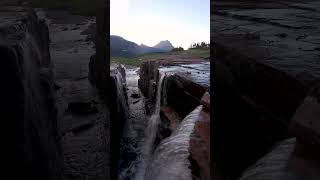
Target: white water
x,y
150,133
134,130
121,81
170,159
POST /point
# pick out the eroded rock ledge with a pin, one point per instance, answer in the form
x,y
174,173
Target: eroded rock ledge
x,y
31,150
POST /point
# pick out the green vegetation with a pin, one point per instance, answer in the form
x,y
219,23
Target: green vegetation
x,y
78,6
177,49
202,45
136,61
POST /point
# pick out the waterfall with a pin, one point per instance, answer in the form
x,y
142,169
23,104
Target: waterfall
x,y
150,133
170,159
121,84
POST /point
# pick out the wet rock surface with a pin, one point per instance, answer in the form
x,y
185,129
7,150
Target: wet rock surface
x,y
273,165
31,150
284,161
83,115
194,74
267,63
200,142
149,72
281,40
294,158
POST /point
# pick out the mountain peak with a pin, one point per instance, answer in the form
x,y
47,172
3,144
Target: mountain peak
x,y
164,45
122,47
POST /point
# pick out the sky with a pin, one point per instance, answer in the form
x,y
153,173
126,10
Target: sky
x,y
148,22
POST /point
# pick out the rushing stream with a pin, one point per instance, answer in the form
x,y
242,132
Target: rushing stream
x,y
170,159
140,160
136,123
140,130
150,133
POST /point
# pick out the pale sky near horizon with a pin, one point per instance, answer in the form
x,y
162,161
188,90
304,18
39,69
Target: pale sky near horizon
x,y
148,22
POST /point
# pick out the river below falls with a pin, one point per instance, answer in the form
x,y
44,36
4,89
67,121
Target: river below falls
x,y
134,132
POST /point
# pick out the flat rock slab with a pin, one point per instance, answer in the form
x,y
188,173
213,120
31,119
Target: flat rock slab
x,y
280,34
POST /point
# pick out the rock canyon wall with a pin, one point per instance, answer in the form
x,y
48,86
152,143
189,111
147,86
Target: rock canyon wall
x,y
30,125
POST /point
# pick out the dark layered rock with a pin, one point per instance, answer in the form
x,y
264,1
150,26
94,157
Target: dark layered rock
x,y
305,126
82,107
274,165
147,81
149,74
100,62
169,122
243,130
266,64
118,114
182,94
31,147
294,158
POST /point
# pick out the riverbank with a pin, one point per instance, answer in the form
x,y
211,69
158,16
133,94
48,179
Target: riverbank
x,y
188,54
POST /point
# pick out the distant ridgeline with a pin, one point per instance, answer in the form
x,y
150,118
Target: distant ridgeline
x,y
122,47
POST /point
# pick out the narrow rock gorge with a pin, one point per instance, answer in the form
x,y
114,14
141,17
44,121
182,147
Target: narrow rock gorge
x,y
166,133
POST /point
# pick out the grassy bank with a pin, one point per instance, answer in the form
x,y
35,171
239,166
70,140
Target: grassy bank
x,y
82,7
136,61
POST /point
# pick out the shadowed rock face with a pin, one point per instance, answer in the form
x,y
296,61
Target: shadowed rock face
x,y
31,150
269,49
118,113
101,63
266,57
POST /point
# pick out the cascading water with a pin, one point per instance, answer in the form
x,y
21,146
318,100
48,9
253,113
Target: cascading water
x,y
140,159
170,159
150,133
140,131
120,80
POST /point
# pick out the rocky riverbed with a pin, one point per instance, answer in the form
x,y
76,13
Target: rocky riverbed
x,y
82,113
